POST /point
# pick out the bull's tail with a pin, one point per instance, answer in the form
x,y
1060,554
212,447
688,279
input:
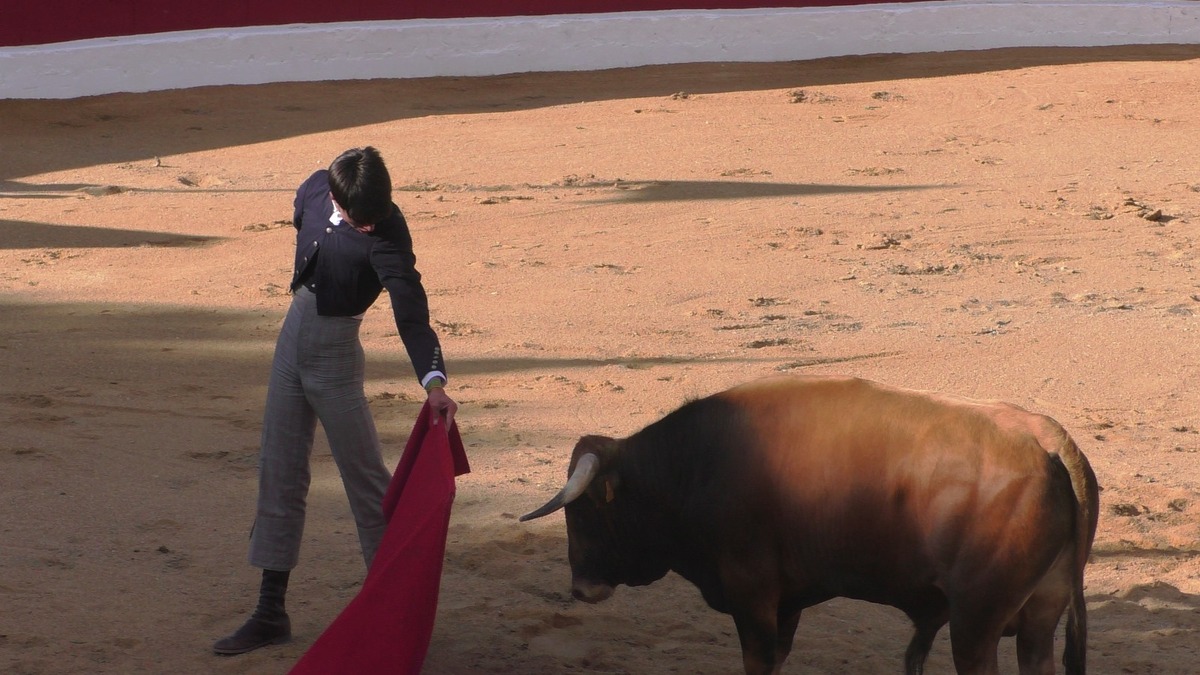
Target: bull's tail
x,y
1087,500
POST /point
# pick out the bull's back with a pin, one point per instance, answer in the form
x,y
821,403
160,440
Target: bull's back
x,y
897,480
841,426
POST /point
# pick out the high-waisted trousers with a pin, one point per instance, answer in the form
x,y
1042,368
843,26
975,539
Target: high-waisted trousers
x,y
317,374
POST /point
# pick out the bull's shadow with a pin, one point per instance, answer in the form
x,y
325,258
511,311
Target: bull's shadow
x,y
1149,628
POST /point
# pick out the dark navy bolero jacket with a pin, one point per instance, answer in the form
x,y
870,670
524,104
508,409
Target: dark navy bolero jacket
x,y
348,269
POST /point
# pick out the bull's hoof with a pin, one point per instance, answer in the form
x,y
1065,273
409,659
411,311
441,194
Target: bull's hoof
x,y
592,593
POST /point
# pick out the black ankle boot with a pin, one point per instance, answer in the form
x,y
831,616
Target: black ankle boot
x,y
269,625
253,634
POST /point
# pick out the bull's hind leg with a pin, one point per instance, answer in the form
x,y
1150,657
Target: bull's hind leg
x,y
1035,649
1038,620
974,641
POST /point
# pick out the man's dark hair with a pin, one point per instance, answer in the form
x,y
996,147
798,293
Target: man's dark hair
x,y
360,182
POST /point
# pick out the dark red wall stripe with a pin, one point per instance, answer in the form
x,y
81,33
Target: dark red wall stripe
x,y
33,22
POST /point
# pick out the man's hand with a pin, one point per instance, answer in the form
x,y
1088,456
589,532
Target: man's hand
x,y
442,405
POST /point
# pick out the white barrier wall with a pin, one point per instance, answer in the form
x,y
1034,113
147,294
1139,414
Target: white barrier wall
x,y
466,47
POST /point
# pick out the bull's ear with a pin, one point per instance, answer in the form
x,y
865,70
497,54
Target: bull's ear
x,y
611,485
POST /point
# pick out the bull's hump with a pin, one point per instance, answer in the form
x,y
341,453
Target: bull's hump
x,y
853,393
816,395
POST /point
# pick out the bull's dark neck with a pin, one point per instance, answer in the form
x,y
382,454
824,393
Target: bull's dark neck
x,y
683,453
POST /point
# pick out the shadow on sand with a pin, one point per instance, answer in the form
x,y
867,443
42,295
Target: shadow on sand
x,y
105,129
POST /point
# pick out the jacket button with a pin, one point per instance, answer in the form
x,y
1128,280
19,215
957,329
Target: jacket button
x,y
328,229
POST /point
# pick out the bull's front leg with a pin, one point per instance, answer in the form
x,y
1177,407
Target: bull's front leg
x,y
786,634
750,593
759,635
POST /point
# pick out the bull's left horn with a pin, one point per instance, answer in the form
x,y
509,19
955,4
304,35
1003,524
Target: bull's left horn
x,y
585,471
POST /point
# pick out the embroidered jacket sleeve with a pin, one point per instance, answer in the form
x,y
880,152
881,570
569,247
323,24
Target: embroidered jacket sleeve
x,y
395,263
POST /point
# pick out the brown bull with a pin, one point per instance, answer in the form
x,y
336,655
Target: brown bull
x,y
784,493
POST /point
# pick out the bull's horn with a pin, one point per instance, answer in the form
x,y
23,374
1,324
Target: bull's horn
x,y
585,471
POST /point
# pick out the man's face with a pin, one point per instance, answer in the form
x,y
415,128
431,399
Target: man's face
x,y
364,228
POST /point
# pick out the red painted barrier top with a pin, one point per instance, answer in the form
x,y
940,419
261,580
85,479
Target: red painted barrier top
x,y
34,22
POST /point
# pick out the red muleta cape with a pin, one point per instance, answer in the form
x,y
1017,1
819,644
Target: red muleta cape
x,y
386,628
